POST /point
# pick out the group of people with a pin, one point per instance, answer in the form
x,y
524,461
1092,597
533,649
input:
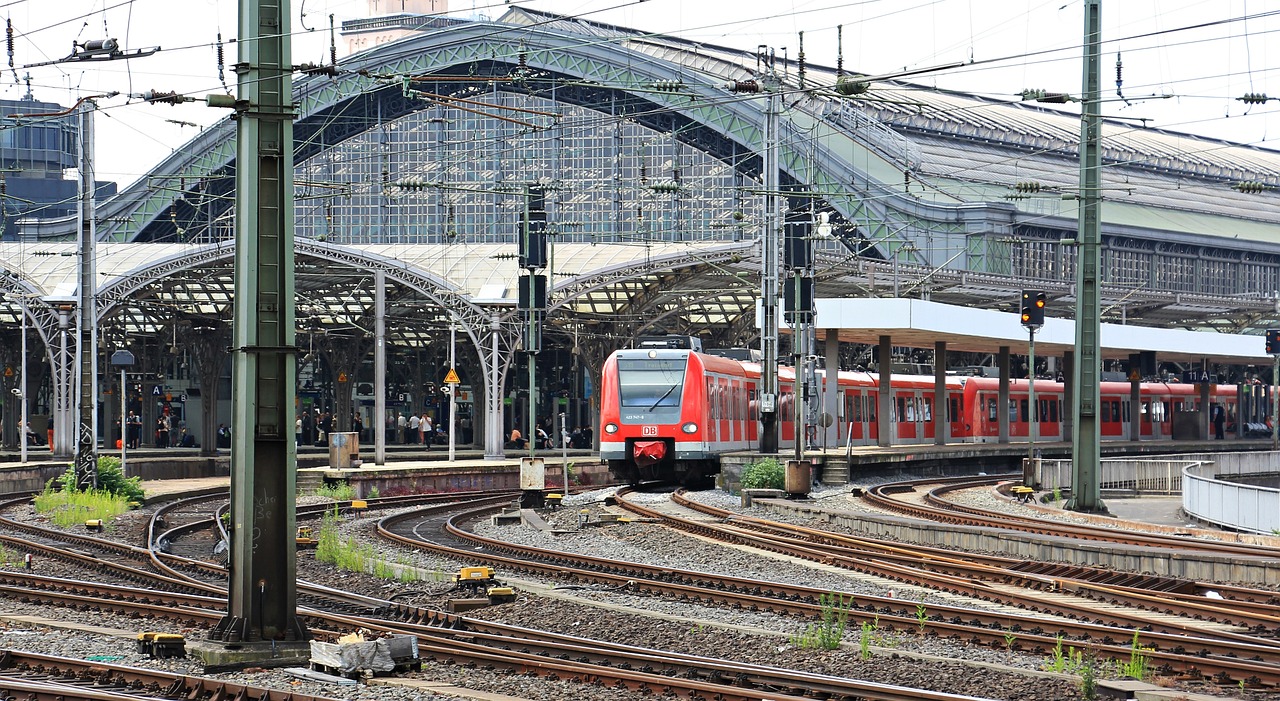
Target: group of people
x,y
414,429
578,438
313,428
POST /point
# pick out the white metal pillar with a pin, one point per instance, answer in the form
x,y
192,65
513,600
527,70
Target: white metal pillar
x,y
493,398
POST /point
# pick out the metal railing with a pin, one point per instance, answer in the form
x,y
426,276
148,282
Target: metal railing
x,y
1162,476
1244,507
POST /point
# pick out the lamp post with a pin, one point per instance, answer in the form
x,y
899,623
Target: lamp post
x,y
123,359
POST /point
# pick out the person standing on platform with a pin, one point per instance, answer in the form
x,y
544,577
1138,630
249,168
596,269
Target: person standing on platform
x,y
134,424
414,423
357,425
297,432
1219,421
162,431
428,430
401,425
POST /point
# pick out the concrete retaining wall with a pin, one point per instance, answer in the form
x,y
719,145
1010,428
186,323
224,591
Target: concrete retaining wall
x,y
1192,566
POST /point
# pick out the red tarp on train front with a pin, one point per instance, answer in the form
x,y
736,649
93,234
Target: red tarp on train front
x,y
649,452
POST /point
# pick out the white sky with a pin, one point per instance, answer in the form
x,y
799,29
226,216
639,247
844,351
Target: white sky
x,y
1203,70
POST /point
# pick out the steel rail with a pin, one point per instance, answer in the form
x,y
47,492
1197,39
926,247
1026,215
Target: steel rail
x,y
906,562
1220,658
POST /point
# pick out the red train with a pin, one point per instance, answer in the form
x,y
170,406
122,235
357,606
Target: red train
x,y
670,413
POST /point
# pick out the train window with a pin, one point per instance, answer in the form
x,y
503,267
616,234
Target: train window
x,y
1115,411
872,408
954,406
650,382
902,409
1022,410
1053,412
928,409
1127,413
991,410
1013,410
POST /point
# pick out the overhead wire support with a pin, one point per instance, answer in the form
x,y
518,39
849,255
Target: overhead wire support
x,y
97,51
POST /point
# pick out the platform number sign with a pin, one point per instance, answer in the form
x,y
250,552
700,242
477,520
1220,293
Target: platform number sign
x,y
1273,341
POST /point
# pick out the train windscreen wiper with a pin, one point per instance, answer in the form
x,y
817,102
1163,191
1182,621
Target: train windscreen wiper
x,y
666,394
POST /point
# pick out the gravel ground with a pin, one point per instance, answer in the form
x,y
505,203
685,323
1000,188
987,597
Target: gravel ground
x,y
897,658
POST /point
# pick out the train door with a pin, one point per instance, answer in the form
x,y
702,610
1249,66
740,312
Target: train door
x,y
1111,419
904,416
955,416
927,430
1050,417
1157,408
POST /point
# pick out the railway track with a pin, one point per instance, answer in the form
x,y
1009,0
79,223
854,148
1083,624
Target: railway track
x,y
455,640
34,677
936,508
1226,658
1256,610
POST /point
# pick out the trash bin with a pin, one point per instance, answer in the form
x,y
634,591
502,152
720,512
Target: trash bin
x,y
344,451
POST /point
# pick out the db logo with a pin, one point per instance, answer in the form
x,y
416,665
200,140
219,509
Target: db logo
x,y
648,430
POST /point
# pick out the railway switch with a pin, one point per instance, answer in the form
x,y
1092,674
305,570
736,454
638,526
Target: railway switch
x,y
160,645
500,595
306,538
474,575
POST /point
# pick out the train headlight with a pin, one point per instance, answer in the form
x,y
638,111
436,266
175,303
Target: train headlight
x,y
689,427
611,428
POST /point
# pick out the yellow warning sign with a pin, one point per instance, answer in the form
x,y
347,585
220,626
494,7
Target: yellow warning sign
x,y
452,378
342,377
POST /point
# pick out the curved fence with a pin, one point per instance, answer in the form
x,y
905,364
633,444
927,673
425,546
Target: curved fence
x,y
1214,486
1211,492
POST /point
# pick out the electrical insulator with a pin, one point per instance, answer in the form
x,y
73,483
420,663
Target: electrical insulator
x,y
1045,96
743,86
161,97
851,86
666,86
1027,187
1254,98
1250,187
313,69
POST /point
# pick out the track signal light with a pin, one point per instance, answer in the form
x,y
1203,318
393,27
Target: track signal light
x,y
1273,341
1033,302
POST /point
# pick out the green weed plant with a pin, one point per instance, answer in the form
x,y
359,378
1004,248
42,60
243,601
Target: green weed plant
x,y
338,491
67,505
354,556
827,633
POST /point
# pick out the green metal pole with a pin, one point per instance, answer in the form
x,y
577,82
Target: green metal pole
x,y
262,587
1085,435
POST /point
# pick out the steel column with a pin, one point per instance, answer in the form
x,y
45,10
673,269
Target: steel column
x,y
769,245
380,367
831,397
941,415
86,463
1002,400
1085,436
262,589
884,412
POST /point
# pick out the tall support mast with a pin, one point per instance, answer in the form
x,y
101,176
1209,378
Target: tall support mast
x,y
769,242
87,327
262,591
1085,436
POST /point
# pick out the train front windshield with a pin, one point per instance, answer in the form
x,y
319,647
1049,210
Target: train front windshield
x,y
650,383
